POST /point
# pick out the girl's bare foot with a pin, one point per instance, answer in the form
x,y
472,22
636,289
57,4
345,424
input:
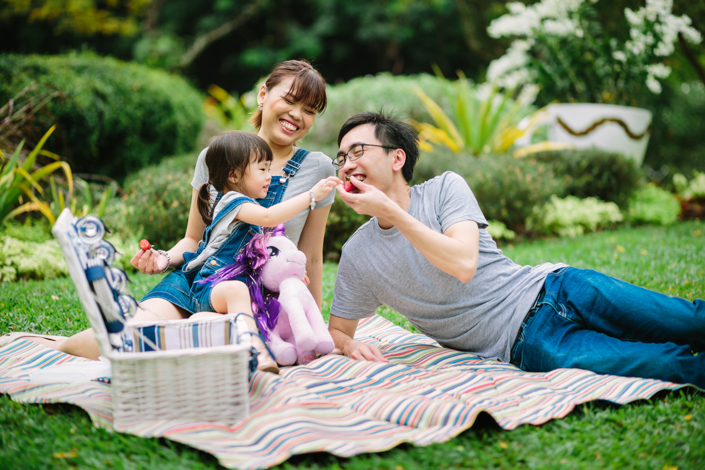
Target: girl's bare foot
x,y
265,362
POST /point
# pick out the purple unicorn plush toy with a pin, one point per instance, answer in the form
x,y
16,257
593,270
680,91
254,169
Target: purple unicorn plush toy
x,y
292,323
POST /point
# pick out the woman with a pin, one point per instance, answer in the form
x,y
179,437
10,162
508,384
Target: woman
x,y
288,102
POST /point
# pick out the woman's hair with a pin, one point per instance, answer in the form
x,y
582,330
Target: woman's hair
x,y
228,153
308,86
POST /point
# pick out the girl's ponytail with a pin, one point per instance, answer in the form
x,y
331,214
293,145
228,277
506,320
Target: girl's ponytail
x,y
205,208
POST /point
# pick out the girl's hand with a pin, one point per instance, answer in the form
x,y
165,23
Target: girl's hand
x,y
325,186
149,262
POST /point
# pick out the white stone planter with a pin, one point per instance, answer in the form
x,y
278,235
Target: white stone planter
x,y
609,127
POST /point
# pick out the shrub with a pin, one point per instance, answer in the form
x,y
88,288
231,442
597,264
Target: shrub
x,y
506,188
691,195
157,202
610,177
394,94
29,251
113,117
651,204
342,222
572,216
694,188
21,259
677,129
499,231
32,230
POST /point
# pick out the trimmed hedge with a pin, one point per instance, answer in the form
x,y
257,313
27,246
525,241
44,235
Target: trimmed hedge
x,y
342,222
158,200
611,177
113,117
392,93
506,188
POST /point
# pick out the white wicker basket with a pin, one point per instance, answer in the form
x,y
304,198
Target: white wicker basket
x,y
208,384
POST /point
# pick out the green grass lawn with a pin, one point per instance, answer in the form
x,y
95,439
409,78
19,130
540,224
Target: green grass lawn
x,y
664,433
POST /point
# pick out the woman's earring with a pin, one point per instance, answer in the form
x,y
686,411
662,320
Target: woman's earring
x,y
259,106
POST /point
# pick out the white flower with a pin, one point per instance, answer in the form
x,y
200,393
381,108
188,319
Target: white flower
x,y
522,23
653,32
515,58
664,49
656,8
653,85
528,94
659,70
691,35
514,79
516,8
620,56
560,28
559,9
634,19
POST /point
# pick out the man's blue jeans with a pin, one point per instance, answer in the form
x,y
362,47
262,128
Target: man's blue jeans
x,y
588,320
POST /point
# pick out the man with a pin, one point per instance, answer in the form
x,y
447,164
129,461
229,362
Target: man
x,y
426,253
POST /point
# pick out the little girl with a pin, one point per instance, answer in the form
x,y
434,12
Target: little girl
x,y
238,164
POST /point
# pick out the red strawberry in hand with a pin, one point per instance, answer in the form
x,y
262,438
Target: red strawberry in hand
x,y
144,245
349,187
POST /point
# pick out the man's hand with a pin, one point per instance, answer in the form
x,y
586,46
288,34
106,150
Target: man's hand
x,y
368,201
363,352
342,330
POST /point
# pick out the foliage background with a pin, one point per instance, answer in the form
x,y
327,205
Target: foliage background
x,y
245,38
120,119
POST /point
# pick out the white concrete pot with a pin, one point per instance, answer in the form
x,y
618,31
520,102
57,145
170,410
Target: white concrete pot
x,y
623,129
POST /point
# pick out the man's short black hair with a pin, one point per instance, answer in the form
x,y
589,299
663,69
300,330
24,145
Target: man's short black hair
x,y
390,132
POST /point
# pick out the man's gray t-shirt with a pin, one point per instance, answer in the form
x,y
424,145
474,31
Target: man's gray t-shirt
x,y
381,267
314,168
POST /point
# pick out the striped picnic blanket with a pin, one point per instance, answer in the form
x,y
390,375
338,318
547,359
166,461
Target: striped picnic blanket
x,y
426,394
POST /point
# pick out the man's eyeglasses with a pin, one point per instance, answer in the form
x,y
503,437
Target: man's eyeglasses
x,y
354,153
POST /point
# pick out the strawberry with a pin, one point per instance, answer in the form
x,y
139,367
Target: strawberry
x,y
348,186
144,245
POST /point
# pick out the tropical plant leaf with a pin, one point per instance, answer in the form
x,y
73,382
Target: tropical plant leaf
x,y
13,161
441,120
32,157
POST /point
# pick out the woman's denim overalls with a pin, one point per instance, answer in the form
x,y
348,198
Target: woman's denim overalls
x,y
179,287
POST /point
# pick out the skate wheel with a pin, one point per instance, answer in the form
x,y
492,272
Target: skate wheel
x,y
117,279
103,250
90,229
128,305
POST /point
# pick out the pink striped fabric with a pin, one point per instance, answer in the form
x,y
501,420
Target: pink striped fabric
x,y
426,394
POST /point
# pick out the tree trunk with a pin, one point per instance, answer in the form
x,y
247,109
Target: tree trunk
x,y
204,40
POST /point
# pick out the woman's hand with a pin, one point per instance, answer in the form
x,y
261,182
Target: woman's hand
x,y
325,186
149,262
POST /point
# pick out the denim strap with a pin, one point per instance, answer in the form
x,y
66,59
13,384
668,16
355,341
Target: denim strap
x,y
294,163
